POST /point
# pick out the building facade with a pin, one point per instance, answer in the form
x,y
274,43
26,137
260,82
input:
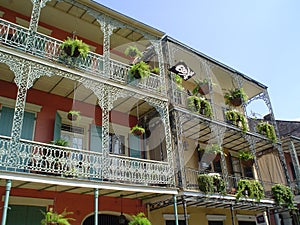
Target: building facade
x,y
66,123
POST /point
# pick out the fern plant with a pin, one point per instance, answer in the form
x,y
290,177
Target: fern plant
x,y
283,195
249,189
237,118
53,218
267,130
139,219
140,70
75,47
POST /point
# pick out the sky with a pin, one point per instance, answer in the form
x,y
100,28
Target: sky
x,y
258,38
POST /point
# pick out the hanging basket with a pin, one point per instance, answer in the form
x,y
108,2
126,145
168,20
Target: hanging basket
x,y
68,51
236,101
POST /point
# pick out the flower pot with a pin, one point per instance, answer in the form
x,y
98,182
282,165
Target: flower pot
x,y
68,51
72,117
236,101
137,75
203,89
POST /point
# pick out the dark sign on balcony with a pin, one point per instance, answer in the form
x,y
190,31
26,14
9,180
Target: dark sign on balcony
x,y
182,70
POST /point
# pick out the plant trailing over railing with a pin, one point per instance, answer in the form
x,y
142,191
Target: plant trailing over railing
x,y
249,189
132,51
235,97
246,157
53,218
199,105
283,196
237,118
212,149
267,130
211,183
140,70
74,47
139,219
155,70
137,130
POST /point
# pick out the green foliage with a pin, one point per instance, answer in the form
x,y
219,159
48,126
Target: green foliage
x,y
233,94
283,195
140,70
137,130
267,129
155,70
199,105
245,155
211,183
237,118
140,219
60,142
132,51
212,149
76,43
249,189
58,218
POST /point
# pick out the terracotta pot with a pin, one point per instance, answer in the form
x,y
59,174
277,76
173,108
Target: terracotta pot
x,y
236,102
203,89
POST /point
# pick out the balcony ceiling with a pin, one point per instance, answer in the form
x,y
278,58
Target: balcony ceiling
x,y
286,144
67,88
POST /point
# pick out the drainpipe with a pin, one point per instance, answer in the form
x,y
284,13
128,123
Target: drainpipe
x,y
96,195
5,207
232,216
185,212
175,209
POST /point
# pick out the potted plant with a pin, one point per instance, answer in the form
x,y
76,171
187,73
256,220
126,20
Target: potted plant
x,y
202,87
53,218
73,115
139,219
140,70
246,157
235,97
267,130
137,130
283,195
249,189
211,183
237,119
60,142
74,47
132,52
199,105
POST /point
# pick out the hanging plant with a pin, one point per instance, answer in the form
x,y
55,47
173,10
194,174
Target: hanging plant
x,y
199,105
267,130
235,97
212,149
155,70
53,218
132,51
249,189
246,157
237,119
283,195
137,130
75,47
139,219
139,70
209,183
74,115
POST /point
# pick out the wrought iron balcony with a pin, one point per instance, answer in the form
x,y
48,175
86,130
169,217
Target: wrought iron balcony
x,y
48,48
52,160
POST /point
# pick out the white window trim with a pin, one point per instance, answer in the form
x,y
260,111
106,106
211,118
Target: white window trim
x,y
249,218
172,216
17,200
11,103
215,217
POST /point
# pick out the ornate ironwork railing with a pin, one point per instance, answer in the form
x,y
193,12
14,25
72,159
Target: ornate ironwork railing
x,y
232,181
47,159
46,47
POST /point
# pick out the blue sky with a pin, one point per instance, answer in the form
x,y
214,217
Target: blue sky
x,y
258,38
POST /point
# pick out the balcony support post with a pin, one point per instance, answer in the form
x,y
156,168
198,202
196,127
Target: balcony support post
x,y
277,218
295,162
96,196
185,211
175,210
232,214
35,14
6,198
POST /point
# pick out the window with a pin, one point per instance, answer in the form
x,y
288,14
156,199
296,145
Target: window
x,y
73,135
116,144
248,171
172,222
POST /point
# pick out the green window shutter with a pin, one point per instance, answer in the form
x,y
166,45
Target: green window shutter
x,y
135,146
24,215
96,138
57,127
6,121
28,125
